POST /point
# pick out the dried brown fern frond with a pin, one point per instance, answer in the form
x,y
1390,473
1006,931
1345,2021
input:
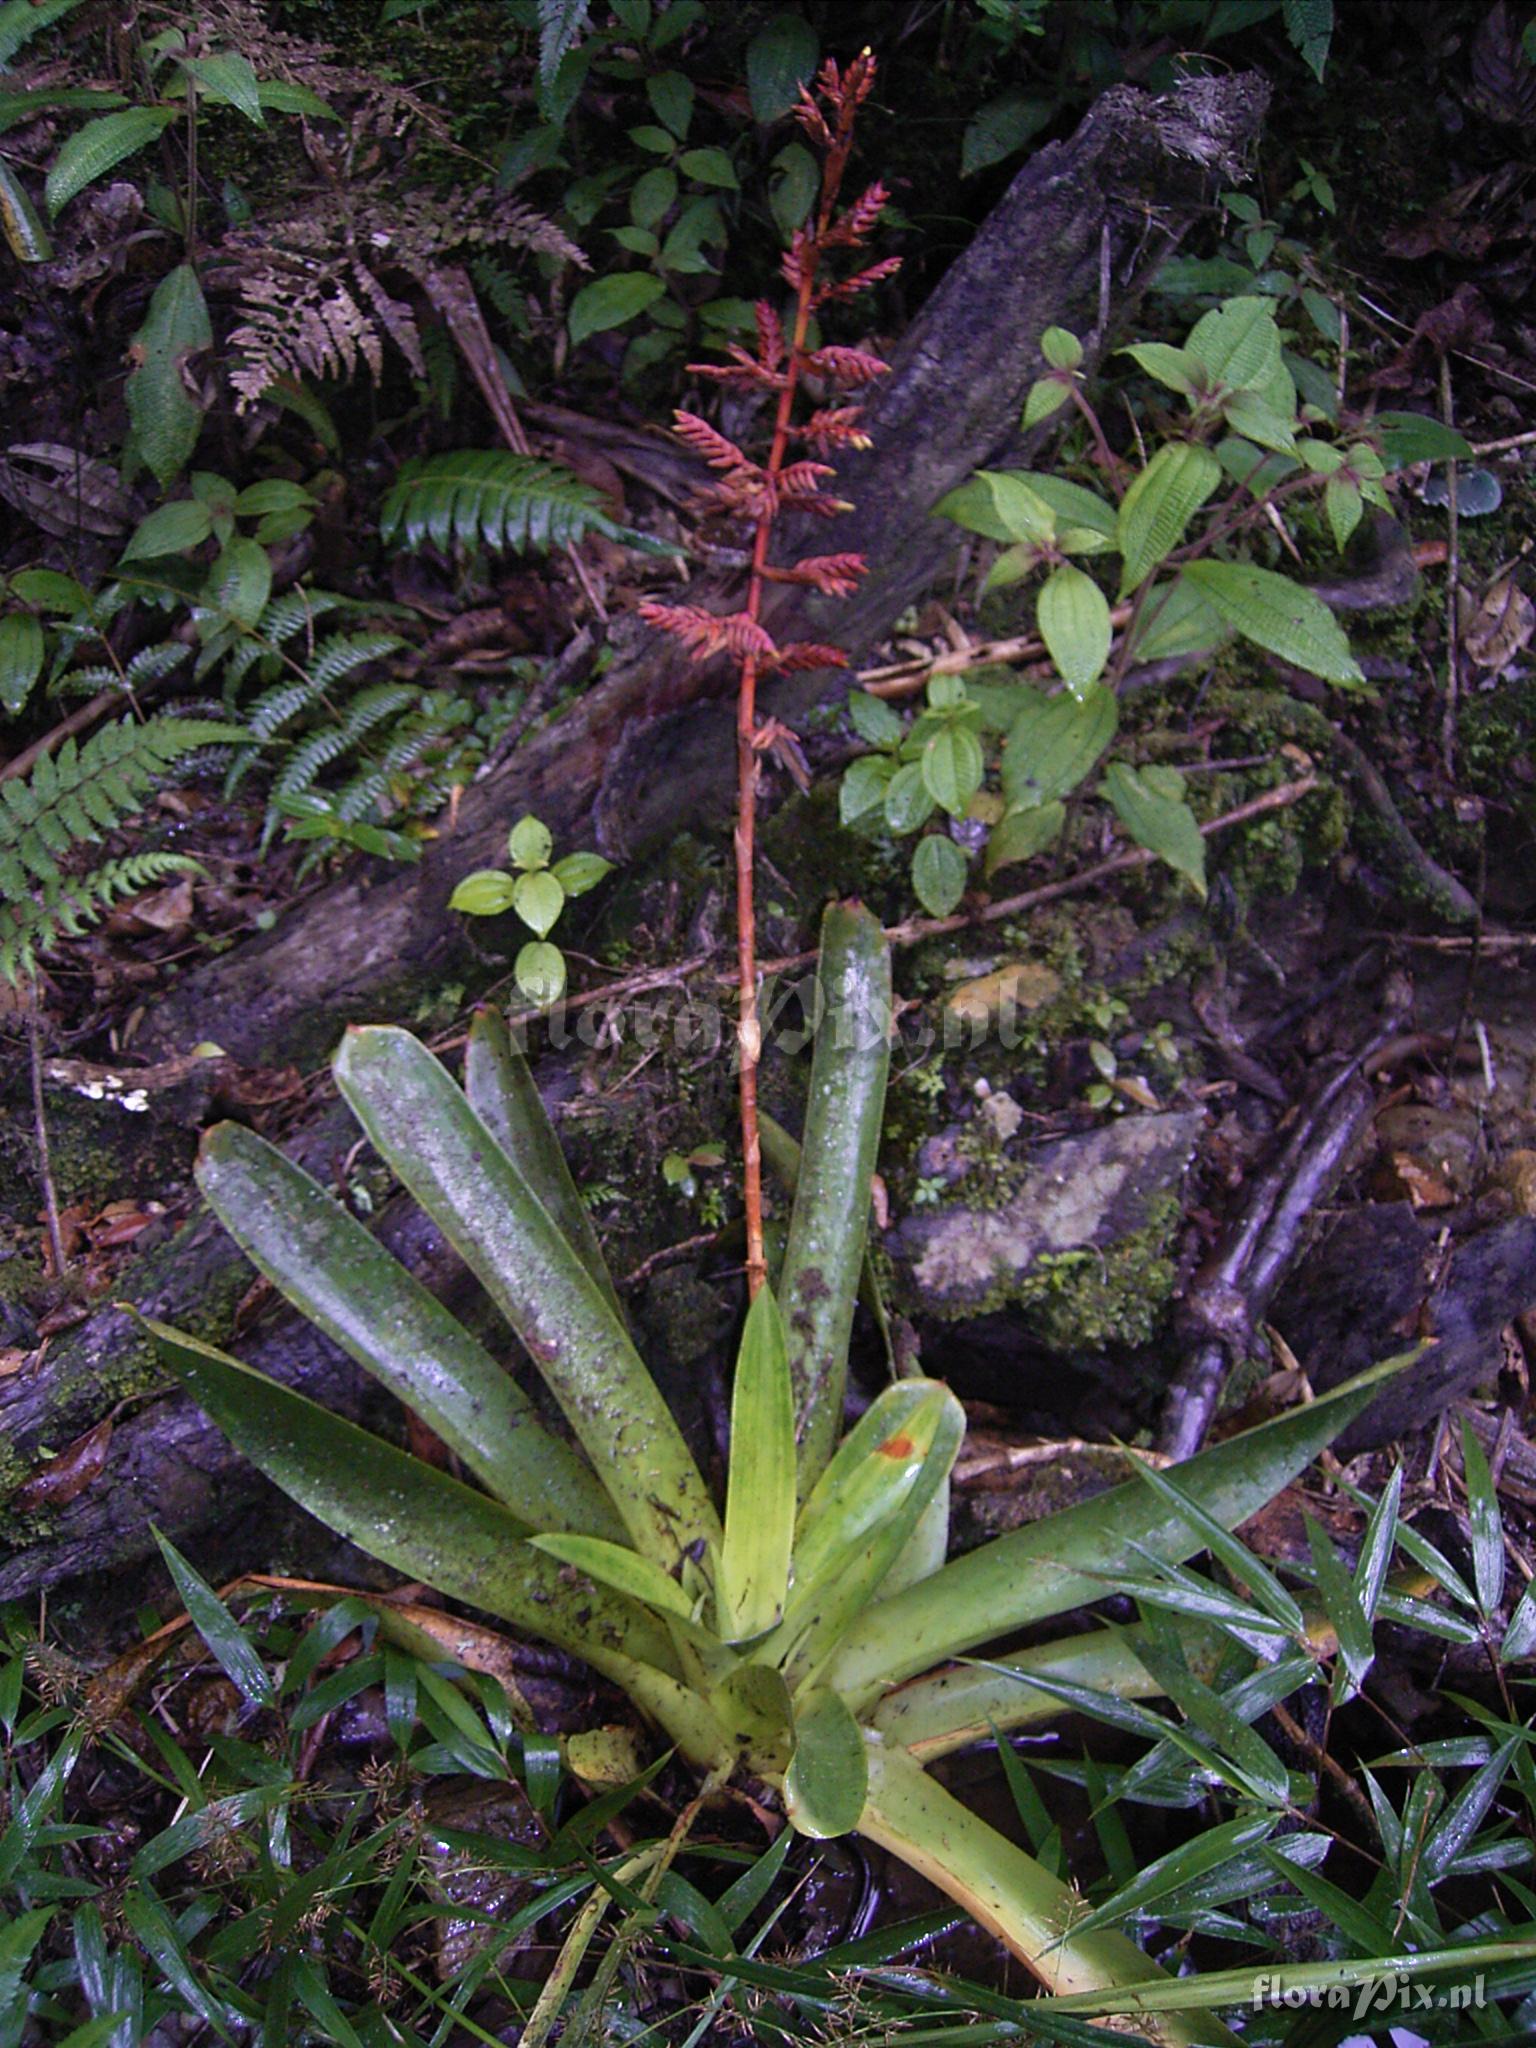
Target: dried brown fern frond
x,y
312,284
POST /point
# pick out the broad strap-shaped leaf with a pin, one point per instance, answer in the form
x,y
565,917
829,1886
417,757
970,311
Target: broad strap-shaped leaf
x,y
331,1267
1278,615
1004,1888
760,1489
622,1569
828,1776
406,1513
752,1704
829,1222
861,1516
423,1127
1075,1557
1159,505
503,1095
1054,742
1073,615
782,1153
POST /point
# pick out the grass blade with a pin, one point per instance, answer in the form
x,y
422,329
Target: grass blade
x,y
233,1650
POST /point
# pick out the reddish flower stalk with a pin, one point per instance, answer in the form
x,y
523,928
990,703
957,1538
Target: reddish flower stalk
x,y
755,494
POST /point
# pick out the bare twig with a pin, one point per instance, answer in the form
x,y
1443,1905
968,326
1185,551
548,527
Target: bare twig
x,y
1452,585
454,297
40,1131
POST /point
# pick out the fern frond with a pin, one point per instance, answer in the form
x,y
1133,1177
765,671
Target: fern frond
x,y
341,653
486,496
368,710
33,924
75,796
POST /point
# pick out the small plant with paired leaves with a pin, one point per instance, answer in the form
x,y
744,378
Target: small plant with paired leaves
x,y
538,890
803,1632
1187,523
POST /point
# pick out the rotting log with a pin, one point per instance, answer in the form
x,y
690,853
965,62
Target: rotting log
x,y
1072,243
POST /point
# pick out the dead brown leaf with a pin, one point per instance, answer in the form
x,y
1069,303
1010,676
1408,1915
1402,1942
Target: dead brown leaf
x,y
60,1480
1501,625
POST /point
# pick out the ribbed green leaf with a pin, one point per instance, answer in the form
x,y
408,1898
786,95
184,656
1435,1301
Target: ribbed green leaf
x,y
337,1273
612,301
169,530
1020,835
1277,615
230,79
424,1128
952,767
21,20
1054,742
1238,343
842,1135
938,874
240,581
1151,804
1159,505
232,1648
1073,615
406,1513
22,647
166,419
760,1490
100,145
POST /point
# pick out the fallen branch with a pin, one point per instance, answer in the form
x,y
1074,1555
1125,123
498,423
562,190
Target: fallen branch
x,y
916,929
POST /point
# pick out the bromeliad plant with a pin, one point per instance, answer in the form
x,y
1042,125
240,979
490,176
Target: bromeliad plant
x,y
806,1634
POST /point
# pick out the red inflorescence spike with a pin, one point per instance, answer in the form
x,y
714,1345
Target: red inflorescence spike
x,y
709,444
806,654
705,634
858,222
834,427
770,335
802,479
861,281
834,575
847,365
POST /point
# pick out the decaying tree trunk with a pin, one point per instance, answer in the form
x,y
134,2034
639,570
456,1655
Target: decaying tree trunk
x,y
1072,243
